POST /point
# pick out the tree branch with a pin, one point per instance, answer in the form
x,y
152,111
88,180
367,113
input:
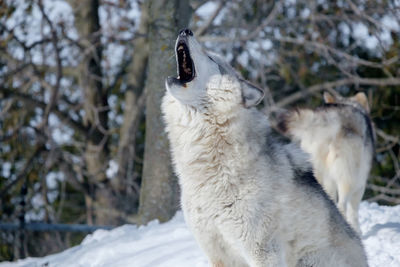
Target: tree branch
x,y
56,87
38,149
384,189
211,19
330,85
253,33
13,93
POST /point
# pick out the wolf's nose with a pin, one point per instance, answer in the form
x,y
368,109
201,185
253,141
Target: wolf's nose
x,y
185,32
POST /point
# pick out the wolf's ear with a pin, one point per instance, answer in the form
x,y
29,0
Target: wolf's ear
x,y
362,99
328,98
251,94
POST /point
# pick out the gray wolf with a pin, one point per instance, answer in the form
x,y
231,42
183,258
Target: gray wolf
x,y
340,140
248,199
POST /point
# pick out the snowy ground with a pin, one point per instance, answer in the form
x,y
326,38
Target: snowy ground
x,y
171,244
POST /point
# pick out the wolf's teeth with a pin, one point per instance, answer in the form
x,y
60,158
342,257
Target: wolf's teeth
x,y
180,47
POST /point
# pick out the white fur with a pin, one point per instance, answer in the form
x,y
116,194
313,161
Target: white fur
x,y
239,198
341,161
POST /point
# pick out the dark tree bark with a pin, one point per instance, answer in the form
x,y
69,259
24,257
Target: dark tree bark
x,y
100,203
159,197
125,181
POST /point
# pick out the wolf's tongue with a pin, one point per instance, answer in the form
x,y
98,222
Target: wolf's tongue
x,y
186,69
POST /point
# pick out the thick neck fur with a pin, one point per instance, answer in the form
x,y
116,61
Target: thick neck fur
x,y
211,142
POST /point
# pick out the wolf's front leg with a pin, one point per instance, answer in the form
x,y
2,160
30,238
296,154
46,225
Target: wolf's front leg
x,y
267,254
255,240
219,252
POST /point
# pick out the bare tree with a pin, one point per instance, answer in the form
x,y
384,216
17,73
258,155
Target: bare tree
x,y
126,181
159,198
101,199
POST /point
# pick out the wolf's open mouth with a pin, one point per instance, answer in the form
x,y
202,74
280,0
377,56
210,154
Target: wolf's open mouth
x,y
186,71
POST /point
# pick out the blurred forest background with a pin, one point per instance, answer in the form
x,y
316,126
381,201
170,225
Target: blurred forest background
x,y
81,135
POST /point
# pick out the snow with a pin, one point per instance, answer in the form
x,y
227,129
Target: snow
x,y
390,23
207,9
112,169
380,227
372,40
6,169
171,244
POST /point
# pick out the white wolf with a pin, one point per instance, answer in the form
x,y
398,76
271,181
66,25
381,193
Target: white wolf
x,y
340,139
248,199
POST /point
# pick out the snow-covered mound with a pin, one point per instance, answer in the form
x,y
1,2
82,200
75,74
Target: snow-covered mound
x,y
171,244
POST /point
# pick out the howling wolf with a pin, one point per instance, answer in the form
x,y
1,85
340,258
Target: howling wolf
x,y
340,139
248,199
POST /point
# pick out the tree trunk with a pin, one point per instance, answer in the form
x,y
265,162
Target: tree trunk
x,y
96,109
134,105
159,197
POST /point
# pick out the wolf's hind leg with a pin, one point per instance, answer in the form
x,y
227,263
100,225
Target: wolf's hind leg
x,y
352,209
330,187
343,197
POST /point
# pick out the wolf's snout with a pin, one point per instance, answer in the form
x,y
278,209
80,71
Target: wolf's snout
x,y
185,32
